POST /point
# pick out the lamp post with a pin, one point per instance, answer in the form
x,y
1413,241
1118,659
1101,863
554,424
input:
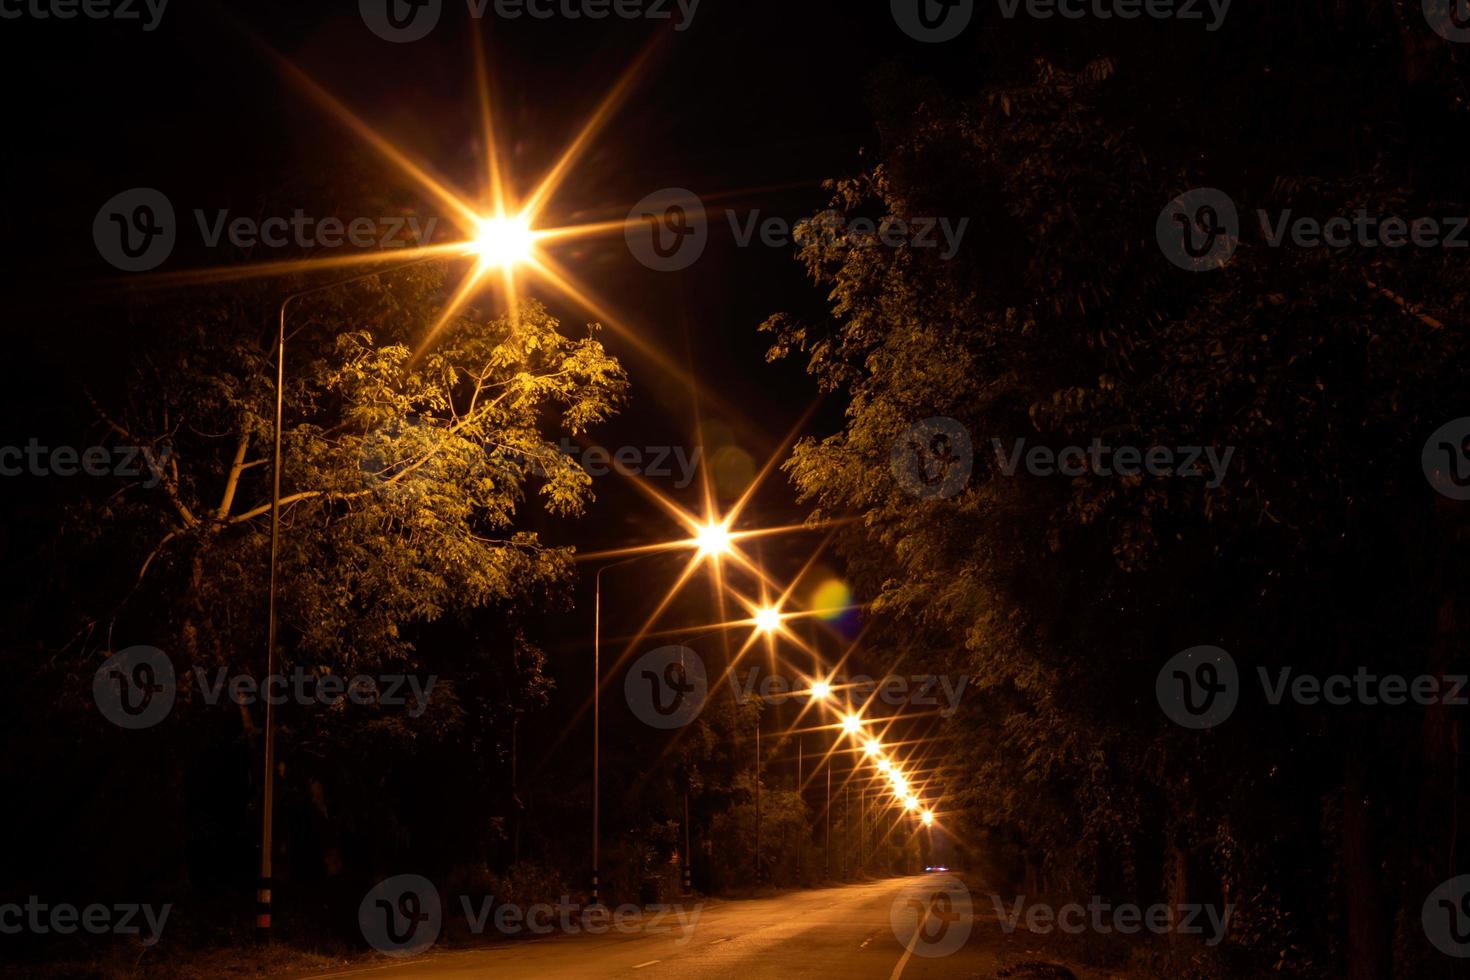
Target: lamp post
x,y
268,787
829,820
597,721
758,792
497,243
712,540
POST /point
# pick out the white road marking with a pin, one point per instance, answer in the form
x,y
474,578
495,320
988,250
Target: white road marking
x,y
639,966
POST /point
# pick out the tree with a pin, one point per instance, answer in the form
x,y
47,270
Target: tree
x,y
407,503
1061,322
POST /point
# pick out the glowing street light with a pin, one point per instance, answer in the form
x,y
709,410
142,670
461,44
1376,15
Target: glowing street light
x,y
911,803
872,747
885,767
713,540
927,818
821,690
502,242
852,724
768,619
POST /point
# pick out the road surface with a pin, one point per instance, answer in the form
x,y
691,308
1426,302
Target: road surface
x,y
841,933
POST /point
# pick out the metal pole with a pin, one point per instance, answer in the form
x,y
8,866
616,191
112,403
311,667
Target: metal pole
x,y
801,797
757,796
268,787
846,827
688,855
268,783
596,730
829,820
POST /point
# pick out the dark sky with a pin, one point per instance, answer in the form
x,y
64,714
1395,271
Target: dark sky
x,y
751,108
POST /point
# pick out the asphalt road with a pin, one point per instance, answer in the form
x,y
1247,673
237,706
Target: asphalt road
x,y
842,933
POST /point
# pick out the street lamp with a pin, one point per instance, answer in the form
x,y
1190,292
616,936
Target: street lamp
x,y
712,540
502,242
268,783
820,690
852,724
767,619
